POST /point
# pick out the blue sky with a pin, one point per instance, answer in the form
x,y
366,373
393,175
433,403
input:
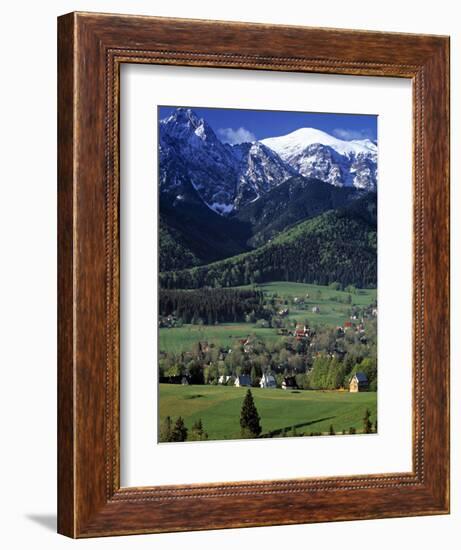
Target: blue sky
x,y
237,125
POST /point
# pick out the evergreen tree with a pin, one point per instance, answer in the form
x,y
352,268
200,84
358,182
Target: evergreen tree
x,y
249,417
352,431
367,425
197,432
332,430
165,430
179,432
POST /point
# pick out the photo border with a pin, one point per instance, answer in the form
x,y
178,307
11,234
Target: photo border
x,y
158,120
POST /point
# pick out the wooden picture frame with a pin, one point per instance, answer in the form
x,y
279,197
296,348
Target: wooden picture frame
x,y
91,49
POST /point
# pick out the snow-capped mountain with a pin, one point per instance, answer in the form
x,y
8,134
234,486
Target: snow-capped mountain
x,y
259,171
191,155
314,153
224,176
196,165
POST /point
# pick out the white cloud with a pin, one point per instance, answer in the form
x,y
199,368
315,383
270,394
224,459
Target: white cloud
x,y
240,135
346,134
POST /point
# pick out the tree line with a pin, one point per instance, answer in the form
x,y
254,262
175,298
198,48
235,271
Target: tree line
x,y
175,431
331,373
211,306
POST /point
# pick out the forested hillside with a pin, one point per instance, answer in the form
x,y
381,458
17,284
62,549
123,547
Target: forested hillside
x,y
337,246
207,235
173,253
297,199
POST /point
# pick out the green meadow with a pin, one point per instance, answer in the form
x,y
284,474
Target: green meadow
x,y
280,410
283,288
331,303
333,309
222,335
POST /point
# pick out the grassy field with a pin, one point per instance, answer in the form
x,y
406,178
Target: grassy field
x,y
309,411
182,338
283,288
332,313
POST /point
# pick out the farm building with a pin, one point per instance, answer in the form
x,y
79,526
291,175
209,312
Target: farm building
x,y
289,383
358,383
301,332
268,381
242,381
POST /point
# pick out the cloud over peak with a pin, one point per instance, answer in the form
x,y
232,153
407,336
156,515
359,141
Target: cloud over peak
x,y
240,135
346,134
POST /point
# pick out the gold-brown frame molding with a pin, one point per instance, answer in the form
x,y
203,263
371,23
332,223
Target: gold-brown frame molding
x,y
91,48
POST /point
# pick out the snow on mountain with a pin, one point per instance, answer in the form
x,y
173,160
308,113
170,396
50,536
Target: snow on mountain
x,y
191,154
314,153
224,176
290,144
259,170
196,165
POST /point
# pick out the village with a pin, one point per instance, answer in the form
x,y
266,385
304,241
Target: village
x,y
295,361
307,353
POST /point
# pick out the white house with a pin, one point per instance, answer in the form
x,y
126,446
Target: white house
x,y
224,379
268,381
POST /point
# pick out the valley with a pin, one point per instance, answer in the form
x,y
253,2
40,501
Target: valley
x,y
267,283
333,310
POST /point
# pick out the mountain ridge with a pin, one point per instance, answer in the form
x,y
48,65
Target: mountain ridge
x,y
314,153
227,178
295,200
203,236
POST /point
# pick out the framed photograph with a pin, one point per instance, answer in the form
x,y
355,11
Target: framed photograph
x,y
253,275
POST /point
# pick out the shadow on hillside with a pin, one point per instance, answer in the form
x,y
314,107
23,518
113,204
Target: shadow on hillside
x,y
279,431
